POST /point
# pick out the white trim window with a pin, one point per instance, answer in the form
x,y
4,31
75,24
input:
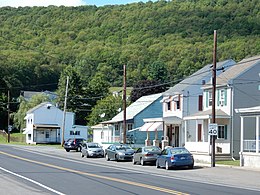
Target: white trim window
x,y
210,98
222,131
129,126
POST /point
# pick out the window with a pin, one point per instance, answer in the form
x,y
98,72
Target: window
x,y
29,136
47,134
74,132
200,103
129,126
222,97
222,132
210,98
116,127
169,106
178,105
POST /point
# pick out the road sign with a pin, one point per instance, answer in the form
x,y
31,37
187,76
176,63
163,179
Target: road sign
x,y
10,127
213,129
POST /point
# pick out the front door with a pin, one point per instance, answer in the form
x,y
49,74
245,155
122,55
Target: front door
x,y
176,135
47,136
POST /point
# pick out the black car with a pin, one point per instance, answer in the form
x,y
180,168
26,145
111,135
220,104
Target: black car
x,y
74,144
119,152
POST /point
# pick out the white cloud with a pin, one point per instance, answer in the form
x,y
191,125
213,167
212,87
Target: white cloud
x,y
23,3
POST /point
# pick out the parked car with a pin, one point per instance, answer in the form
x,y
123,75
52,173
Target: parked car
x,y
74,144
119,152
92,150
146,154
175,157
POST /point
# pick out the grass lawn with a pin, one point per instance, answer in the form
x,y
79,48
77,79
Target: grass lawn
x,y
15,138
229,162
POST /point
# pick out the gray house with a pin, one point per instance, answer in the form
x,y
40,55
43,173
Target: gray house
x,y
145,107
184,99
237,87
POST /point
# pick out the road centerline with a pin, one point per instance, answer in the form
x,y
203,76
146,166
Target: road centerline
x,y
147,186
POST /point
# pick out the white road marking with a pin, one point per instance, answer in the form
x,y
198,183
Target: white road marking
x,y
141,171
32,181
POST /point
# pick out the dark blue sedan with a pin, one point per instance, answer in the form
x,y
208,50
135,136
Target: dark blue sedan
x,y
175,157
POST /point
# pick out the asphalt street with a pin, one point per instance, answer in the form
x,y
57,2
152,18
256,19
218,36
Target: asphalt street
x,y
48,170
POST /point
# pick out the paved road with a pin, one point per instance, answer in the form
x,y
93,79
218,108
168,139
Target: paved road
x,y
48,170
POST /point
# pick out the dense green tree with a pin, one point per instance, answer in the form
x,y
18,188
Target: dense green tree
x,y
105,109
157,71
38,43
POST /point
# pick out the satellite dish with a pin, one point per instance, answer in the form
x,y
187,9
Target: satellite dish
x,y
102,115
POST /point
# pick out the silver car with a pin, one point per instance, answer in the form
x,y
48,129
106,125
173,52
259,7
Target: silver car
x,y
146,154
92,150
119,152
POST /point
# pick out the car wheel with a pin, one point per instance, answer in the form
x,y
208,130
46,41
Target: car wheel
x,y
79,149
116,157
67,150
167,165
133,160
87,155
142,162
82,155
157,164
106,156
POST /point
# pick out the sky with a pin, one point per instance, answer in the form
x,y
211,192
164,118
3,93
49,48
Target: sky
x,y
22,3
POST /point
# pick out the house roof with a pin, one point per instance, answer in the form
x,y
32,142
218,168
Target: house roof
x,y
38,106
249,111
195,78
207,114
135,108
236,70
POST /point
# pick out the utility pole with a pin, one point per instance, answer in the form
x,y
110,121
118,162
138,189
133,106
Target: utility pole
x,y
214,69
124,106
8,115
64,111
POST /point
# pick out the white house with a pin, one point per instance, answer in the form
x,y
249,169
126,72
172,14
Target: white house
x,y
102,133
250,136
44,125
184,99
237,87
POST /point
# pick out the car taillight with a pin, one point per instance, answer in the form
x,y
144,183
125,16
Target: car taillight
x,y
172,158
74,142
148,154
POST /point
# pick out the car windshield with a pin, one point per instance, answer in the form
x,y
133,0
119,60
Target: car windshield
x,y
122,147
93,145
152,149
179,151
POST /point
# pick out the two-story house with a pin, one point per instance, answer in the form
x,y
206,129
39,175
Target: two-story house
x,y
184,99
44,124
236,87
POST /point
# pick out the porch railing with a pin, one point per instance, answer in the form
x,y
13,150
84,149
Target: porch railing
x,y
250,146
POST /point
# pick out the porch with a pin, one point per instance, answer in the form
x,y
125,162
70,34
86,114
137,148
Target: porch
x,y
250,140
197,138
46,134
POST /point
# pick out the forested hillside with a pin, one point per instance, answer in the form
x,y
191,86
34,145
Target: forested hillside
x,y
37,43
